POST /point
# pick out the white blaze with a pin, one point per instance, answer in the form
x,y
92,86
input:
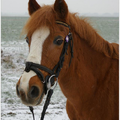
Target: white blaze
x,y
35,54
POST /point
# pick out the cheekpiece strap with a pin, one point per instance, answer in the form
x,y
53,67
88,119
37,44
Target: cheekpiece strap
x,y
68,39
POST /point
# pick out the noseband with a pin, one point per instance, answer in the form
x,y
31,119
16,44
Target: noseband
x,y
49,81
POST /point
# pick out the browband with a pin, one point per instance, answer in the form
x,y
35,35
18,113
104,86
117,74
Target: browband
x,y
63,23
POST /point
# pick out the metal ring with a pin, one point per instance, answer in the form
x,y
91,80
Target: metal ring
x,y
51,77
54,86
49,84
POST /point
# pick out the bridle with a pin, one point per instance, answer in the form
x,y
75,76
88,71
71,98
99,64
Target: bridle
x,y
49,81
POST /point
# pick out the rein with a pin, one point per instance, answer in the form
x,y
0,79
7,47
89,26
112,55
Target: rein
x,y
49,81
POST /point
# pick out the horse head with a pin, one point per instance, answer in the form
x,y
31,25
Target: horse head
x,y
46,32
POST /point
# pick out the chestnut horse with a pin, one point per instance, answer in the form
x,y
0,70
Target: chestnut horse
x,y
90,83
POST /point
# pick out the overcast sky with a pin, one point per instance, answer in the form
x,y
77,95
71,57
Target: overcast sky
x,y
80,6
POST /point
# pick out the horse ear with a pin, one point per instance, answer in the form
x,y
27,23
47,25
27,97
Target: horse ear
x,y
61,8
33,6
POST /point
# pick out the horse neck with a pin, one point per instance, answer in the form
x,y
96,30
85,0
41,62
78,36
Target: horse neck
x,y
90,71
90,59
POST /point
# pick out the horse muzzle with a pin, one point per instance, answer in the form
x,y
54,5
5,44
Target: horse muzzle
x,y
32,94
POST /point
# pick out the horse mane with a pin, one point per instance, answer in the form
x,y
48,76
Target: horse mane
x,y
86,32
79,25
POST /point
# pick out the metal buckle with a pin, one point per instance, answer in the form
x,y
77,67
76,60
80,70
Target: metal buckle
x,y
49,82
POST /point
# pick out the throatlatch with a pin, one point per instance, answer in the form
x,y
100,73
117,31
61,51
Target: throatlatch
x,y
50,82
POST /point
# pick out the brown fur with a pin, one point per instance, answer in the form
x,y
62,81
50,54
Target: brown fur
x,y
90,84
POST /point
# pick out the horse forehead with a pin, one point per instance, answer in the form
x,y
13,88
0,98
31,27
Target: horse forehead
x,y
41,33
36,47
37,39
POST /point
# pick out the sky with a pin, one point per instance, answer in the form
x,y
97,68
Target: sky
x,y
19,7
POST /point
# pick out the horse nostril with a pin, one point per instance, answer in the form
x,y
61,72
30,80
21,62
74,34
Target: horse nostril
x,y
18,93
34,92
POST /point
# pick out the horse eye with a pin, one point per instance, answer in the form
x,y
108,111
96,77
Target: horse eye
x,y
27,39
58,40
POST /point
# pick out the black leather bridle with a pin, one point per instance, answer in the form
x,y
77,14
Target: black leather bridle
x,y
49,81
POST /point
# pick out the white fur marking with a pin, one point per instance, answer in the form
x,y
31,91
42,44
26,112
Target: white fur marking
x,y
37,40
24,82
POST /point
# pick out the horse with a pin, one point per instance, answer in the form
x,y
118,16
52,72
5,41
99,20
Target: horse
x,y
88,73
